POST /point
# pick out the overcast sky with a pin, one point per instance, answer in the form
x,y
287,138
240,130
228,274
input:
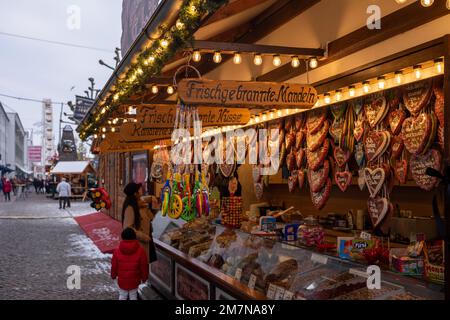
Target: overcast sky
x,y
42,70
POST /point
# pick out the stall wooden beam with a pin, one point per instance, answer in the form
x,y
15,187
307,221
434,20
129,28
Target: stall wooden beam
x,y
396,23
230,47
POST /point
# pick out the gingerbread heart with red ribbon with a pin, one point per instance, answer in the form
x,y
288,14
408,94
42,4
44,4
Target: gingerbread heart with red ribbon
x,y
315,140
375,110
318,178
358,131
290,140
299,138
419,164
397,146
291,160
375,179
343,179
401,171
377,208
300,158
316,158
416,96
299,121
415,133
301,178
319,199
336,130
292,181
315,120
376,144
395,120
341,156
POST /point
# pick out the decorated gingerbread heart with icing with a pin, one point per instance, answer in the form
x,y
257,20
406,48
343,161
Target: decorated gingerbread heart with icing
x,y
397,146
395,120
374,180
319,199
343,179
359,154
299,138
439,104
291,160
290,140
358,131
376,144
415,133
377,208
401,171
315,140
301,178
416,96
259,190
336,130
315,120
419,164
341,156
256,174
317,178
292,181
300,157
299,121
316,158
375,110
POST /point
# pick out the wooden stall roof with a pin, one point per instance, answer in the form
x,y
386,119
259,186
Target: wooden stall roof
x,y
73,167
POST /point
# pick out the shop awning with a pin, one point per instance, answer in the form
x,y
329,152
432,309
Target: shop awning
x,y
72,167
23,170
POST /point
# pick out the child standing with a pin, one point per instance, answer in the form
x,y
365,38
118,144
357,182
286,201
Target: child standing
x,y
130,265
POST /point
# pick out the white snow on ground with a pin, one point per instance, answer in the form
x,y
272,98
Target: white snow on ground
x,y
82,246
105,234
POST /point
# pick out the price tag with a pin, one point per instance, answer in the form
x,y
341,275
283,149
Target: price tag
x,y
365,235
288,295
271,291
238,274
252,282
357,272
319,258
279,293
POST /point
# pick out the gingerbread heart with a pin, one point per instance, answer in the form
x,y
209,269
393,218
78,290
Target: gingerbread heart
x,y
292,181
227,169
375,110
376,144
358,131
316,158
319,199
419,164
259,190
318,178
301,178
357,106
290,140
300,157
377,208
440,135
415,133
291,161
299,138
315,120
374,180
433,131
338,110
299,121
343,179
341,156
397,146
439,104
315,140
361,179
289,124
395,120
256,173
401,171
336,130
416,96
359,154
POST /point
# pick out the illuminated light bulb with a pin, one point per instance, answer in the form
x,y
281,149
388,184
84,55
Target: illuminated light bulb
x,y
116,97
272,115
327,98
287,111
257,59
95,136
103,136
264,117
251,120
125,120
164,43
134,120
426,3
217,58
192,9
351,91
398,77
113,129
338,95
103,111
313,63
276,60
447,4
170,90
438,64
381,83
279,113
151,59
109,122
103,129
196,55
179,25
295,62
155,89
297,109
418,71
366,86
237,58
139,71
257,119
401,1
317,103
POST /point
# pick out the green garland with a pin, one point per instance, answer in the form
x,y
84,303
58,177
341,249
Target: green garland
x,y
178,37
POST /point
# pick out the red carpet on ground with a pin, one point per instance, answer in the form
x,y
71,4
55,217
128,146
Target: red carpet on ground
x,y
102,229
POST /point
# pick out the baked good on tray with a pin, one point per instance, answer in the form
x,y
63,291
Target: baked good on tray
x,y
282,273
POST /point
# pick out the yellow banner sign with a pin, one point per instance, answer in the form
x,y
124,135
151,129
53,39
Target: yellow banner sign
x,y
241,93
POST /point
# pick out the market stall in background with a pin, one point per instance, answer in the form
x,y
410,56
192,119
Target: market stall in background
x,y
348,125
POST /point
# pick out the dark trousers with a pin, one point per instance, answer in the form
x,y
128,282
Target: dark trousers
x,y
63,201
7,196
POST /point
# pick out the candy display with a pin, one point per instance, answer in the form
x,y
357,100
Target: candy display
x,y
311,233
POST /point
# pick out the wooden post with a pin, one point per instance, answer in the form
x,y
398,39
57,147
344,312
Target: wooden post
x,y
447,162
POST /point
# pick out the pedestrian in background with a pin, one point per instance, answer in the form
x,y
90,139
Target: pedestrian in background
x,y
129,265
7,188
64,192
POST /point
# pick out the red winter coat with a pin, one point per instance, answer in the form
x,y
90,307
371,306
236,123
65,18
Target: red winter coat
x,y
129,264
7,186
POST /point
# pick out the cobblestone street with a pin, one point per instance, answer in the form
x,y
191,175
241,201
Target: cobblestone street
x,y
38,243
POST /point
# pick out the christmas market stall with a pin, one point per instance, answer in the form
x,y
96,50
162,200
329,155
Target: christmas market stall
x,y
299,149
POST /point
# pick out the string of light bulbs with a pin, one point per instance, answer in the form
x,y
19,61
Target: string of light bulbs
x,y
425,3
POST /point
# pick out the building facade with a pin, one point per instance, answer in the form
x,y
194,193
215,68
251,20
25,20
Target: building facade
x,y
4,125
16,157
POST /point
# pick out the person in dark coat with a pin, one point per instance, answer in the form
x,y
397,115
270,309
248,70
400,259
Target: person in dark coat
x,y
129,265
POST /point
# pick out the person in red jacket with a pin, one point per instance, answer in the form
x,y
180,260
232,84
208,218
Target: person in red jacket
x,y
7,188
129,265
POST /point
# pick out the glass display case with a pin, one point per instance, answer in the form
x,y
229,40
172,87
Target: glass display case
x,y
279,270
